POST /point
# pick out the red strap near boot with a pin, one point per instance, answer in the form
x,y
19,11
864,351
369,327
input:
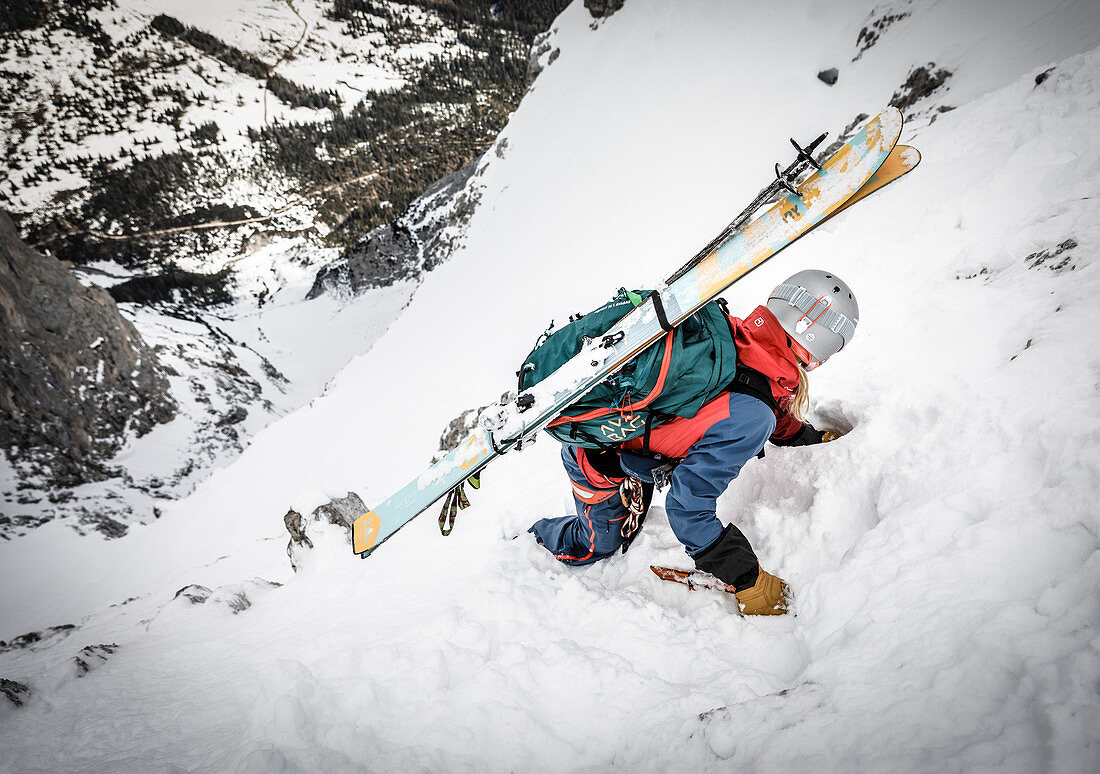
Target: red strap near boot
x,y
595,477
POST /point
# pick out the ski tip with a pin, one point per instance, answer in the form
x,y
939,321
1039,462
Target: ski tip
x,y
884,129
364,532
891,117
909,156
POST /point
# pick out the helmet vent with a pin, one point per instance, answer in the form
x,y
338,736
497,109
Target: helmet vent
x,y
836,289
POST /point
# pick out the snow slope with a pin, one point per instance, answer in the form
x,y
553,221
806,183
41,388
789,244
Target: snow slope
x,y
943,554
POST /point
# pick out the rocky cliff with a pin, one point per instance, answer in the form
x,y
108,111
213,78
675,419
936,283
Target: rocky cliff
x,y
75,377
413,243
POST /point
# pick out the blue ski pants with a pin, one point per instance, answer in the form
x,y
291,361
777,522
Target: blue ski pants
x,y
712,462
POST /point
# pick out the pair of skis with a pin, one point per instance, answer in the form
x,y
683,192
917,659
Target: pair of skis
x,y
868,161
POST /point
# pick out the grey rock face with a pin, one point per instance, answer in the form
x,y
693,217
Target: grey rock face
x,y
404,249
601,9
234,597
36,640
15,692
75,377
341,511
195,594
541,49
881,19
457,429
922,81
92,656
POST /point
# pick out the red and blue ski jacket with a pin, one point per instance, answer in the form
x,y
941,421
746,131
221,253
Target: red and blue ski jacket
x,y
710,447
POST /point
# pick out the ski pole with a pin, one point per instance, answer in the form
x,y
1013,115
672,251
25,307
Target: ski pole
x,y
784,180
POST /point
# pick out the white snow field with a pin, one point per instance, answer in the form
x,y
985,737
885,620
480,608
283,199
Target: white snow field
x,y
943,554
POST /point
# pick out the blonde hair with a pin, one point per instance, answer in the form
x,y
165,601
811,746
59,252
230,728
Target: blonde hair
x,y
800,401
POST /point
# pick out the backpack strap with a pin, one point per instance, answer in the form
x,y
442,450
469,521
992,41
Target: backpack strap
x,y
576,434
651,418
749,381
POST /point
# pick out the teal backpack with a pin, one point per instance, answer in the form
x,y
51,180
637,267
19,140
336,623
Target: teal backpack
x,y
647,391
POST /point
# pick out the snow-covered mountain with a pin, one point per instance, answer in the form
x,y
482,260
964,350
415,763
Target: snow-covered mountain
x,y
943,554
212,164
146,131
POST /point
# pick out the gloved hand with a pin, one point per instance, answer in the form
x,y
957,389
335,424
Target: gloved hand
x,y
808,436
768,596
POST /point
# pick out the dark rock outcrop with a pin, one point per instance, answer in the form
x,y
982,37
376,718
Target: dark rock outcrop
x,y
543,53
405,248
457,429
234,597
341,511
881,19
920,83
92,656
35,640
75,377
195,594
15,692
1061,258
601,9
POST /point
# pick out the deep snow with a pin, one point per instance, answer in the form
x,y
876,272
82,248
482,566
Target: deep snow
x,y
943,554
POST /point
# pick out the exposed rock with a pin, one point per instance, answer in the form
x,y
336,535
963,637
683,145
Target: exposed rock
x,y
293,522
922,81
75,377
1057,259
601,9
829,76
92,656
543,54
17,693
299,541
232,597
464,424
1041,77
195,594
412,244
341,511
880,20
235,415
458,428
235,597
34,640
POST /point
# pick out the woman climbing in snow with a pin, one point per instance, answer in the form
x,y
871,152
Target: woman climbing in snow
x,y
807,319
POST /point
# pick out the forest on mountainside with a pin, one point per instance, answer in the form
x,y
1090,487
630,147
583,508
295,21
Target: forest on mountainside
x,y
356,165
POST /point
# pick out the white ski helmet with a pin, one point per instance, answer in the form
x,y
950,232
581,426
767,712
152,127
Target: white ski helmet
x,y
818,311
